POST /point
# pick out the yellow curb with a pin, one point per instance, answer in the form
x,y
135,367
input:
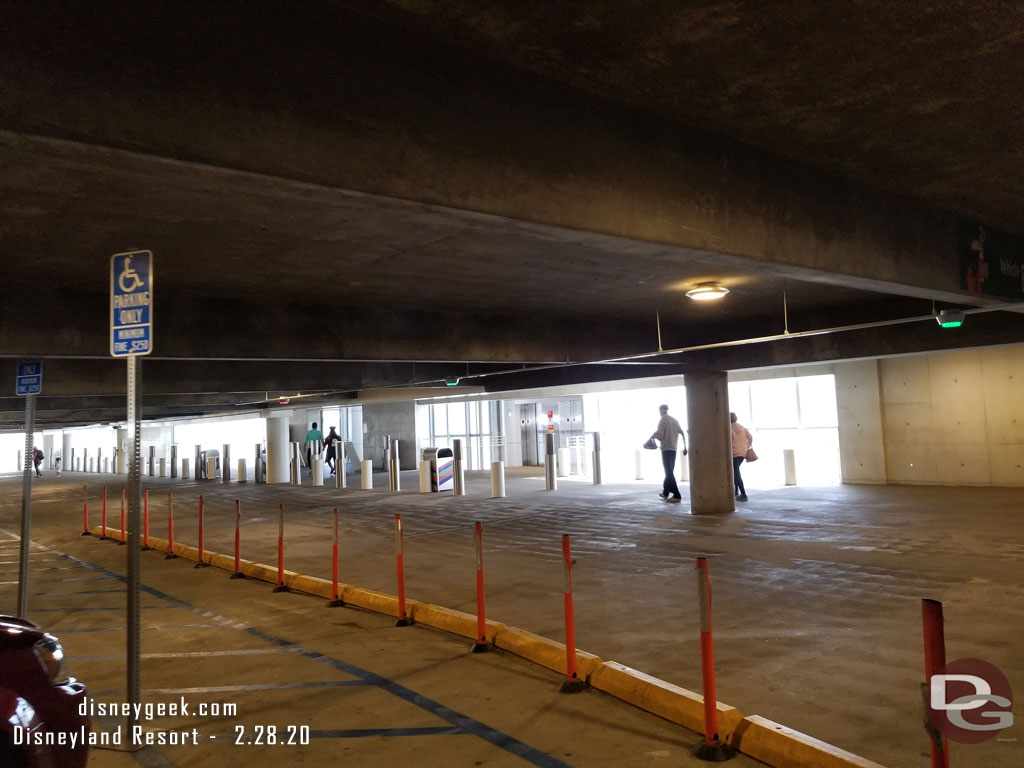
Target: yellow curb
x,y
783,747
456,622
671,702
543,651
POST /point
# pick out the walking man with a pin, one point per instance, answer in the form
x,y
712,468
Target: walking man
x,y
667,434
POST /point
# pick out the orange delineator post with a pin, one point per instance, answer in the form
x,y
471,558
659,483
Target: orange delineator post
x,y
934,661
572,682
145,519
403,618
170,527
481,644
238,541
280,550
124,534
103,521
707,654
336,600
202,562
85,510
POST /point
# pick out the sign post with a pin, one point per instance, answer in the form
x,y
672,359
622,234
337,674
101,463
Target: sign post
x,y
131,329
29,383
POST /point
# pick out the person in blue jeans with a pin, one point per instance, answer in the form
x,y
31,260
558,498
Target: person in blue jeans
x,y
667,434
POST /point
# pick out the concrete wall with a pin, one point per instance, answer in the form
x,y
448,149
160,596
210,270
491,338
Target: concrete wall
x,y
955,418
397,420
861,436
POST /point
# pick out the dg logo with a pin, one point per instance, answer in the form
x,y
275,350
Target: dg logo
x,y
970,701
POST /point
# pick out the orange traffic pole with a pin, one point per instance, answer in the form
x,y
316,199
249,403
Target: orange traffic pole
x,y
145,519
934,661
124,534
85,510
103,520
713,748
170,527
238,541
572,682
202,561
280,550
403,617
336,600
481,645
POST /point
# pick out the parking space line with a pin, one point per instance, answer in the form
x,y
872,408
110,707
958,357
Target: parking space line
x,y
69,630
187,654
98,608
240,688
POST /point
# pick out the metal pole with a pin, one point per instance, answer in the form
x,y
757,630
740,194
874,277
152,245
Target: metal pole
x,y
394,467
597,458
550,475
174,461
459,486
26,504
134,492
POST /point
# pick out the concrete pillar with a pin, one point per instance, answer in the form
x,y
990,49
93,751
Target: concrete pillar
x,y
122,454
278,456
710,442
258,466
66,452
48,451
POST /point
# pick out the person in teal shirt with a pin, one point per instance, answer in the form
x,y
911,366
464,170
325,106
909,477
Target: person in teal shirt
x,y
311,437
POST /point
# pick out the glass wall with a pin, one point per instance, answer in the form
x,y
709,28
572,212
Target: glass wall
x,y
474,423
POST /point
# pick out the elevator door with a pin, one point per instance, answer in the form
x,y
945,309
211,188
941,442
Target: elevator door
x,y
528,434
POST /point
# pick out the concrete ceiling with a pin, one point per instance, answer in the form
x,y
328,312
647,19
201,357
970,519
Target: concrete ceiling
x,y
345,197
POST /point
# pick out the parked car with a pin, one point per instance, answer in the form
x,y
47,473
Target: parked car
x,y
38,701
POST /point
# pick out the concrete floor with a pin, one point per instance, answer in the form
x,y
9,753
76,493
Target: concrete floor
x,y
816,590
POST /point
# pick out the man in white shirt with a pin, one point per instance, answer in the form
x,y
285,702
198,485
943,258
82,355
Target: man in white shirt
x,y
668,435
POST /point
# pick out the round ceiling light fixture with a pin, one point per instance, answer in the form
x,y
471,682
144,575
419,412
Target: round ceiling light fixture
x,y
707,292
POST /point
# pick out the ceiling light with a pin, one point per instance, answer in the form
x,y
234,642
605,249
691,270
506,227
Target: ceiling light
x,y
950,318
451,381
707,292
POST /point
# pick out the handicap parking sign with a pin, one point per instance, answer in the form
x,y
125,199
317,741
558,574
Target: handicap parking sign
x,y
131,303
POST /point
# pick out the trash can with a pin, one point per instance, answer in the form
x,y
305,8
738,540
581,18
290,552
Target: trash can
x,y
442,468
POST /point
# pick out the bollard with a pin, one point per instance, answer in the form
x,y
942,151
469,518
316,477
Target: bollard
x,y
572,682
497,479
789,465
403,618
458,473
481,645
934,661
103,521
243,476
198,462
145,520
258,466
225,464
597,458
336,601
318,471
424,476
174,462
280,550
394,467
184,469
163,467
211,469
639,465
152,460
202,560
170,523
124,533
563,462
85,510
340,481
550,478
296,475
238,542
713,749
367,477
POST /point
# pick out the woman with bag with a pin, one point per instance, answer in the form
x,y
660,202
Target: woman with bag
x,y
741,444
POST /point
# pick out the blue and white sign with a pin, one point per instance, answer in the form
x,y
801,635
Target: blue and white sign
x,y
131,303
30,377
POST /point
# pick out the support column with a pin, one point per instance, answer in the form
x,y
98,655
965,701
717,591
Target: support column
x,y
122,452
710,442
278,456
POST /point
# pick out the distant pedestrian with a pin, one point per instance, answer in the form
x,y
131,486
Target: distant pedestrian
x,y
37,459
312,436
667,434
741,443
330,458
56,465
